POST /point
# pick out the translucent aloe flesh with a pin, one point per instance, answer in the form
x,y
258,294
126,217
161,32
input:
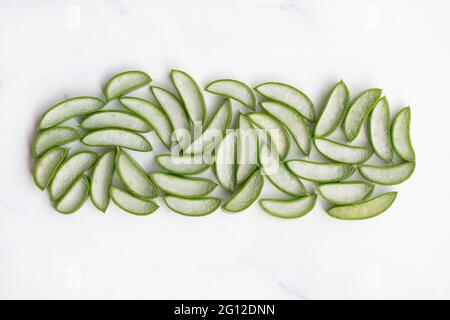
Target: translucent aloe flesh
x,y
247,194
289,209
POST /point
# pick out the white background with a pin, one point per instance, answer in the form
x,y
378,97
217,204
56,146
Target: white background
x,y
50,50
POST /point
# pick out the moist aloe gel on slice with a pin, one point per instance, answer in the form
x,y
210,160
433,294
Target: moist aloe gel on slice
x,y
333,111
320,172
387,175
182,186
117,138
131,203
101,180
46,166
75,196
293,121
364,210
247,193
53,137
234,89
289,209
115,119
345,193
288,95
379,131
133,176
401,139
358,111
125,82
72,168
225,161
183,165
340,152
156,117
68,109
192,207
246,149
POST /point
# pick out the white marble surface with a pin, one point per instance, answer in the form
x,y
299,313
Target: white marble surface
x,y
53,49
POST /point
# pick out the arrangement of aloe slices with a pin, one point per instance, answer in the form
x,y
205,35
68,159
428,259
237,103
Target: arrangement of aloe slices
x,y
238,153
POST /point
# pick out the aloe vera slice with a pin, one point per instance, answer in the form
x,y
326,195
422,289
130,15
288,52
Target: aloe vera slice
x,y
387,175
182,186
182,165
101,180
234,89
125,82
293,121
345,193
192,207
225,161
320,172
133,176
176,114
153,115
358,111
46,166
379,133
289,209
364,210
75,196
53,137
333,111
115,119
289,95
191,95
340,152
401,139
130,203
117,137
278,173
72,168
212,135
68,109
274,129
247,194
246,149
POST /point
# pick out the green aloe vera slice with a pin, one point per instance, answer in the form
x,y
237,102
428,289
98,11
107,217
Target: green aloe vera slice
x,y
234,89
246,149
115,119
364,210
130,203
53,137
293,121
176,114
182,165
345,193
71,169
153,115
333,111
247,193
401,139
125,82
101,180
289,209
274,129
68,109
191,95
387,175
182,186
278,173
46,166
133,176
340,152
379,132
358,111
117,138
192,207
320,172
224,164
75,196
213,133
289,95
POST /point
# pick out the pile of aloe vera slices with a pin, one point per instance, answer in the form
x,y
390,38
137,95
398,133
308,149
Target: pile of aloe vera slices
x,y
241,153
